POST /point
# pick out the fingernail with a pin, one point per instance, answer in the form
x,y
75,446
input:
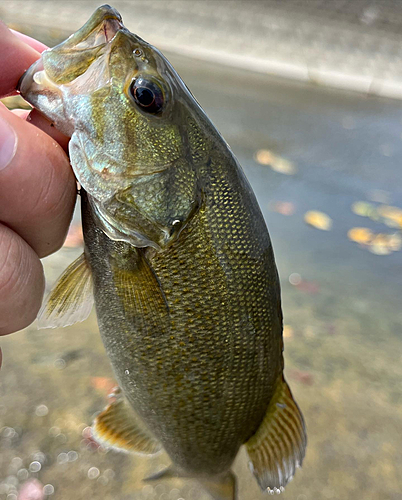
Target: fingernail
x,y
8,143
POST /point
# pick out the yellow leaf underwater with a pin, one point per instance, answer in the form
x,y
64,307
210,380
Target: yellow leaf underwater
x,y
379,244
379,249
277,163
391,214
361,235
395,242
365,209
317,219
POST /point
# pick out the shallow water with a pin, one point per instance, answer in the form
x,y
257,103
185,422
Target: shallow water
x,y
343,319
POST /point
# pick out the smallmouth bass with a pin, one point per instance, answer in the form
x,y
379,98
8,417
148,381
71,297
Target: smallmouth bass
x,y
177,259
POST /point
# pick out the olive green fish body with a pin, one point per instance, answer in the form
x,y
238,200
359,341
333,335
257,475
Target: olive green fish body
x,y
178,258
200,360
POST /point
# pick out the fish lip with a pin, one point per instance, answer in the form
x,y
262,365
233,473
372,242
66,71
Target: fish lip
x,y
102,34
99,31
106,21
107,30
25,81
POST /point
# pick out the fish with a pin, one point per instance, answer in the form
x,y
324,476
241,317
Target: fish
x,y
177,260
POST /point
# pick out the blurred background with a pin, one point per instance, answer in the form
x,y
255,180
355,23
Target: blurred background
x,y
307,93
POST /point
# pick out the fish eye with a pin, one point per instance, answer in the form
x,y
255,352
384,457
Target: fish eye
x,y
147,94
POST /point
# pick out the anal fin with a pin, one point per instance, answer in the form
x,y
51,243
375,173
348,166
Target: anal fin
x,y
118,426
71,299
278,446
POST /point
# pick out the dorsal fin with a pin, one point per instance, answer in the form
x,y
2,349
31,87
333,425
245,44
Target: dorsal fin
x,y
278,446
71,299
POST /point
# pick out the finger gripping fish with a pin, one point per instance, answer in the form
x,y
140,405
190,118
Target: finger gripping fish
x,y
177,259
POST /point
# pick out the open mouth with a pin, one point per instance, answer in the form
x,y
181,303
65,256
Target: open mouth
x,y
104,34
100,29
65,62
110,28
98,32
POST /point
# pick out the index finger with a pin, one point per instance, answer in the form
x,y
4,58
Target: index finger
x,y
37,185
35,44
23,44
16,58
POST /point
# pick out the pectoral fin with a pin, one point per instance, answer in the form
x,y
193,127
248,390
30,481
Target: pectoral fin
x,y
278,446
118,426
142,296
71,299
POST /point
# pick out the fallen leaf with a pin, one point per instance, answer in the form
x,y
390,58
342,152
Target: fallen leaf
x,y
283,207
389,215
365,209
379,245
264,157
392,214
379,250
376,243
283,166
380,239
391,223
361,235
395,242
319,220
277,163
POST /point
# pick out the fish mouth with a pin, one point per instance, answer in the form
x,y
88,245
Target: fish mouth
x,y
110,28
99,30
97,33
61,65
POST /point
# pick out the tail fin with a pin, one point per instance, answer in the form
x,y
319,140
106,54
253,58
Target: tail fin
x,y
222,487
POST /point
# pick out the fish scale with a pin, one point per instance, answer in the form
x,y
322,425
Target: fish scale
x,y
205,309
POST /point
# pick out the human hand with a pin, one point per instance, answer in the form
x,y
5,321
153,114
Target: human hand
x,y
37,191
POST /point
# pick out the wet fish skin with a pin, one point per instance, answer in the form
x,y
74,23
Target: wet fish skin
x,y
185,284
203,368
